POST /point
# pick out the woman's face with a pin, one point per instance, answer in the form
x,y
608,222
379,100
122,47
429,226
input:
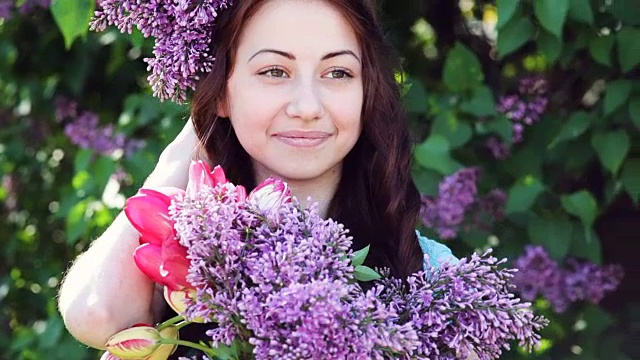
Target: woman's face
x,y
295,94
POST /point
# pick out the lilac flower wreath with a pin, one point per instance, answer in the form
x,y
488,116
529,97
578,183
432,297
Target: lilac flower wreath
x,y
182,32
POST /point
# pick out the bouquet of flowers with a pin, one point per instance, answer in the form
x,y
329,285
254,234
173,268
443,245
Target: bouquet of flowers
x,y
277,281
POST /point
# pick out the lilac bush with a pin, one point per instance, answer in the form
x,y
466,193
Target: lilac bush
x,y
561,285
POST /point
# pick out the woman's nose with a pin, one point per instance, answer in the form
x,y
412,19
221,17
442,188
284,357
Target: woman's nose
x,y
306,100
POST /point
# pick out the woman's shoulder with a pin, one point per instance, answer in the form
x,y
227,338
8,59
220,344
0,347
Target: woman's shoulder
x,y
435,253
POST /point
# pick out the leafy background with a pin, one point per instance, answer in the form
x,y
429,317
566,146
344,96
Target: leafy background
x,y
570,184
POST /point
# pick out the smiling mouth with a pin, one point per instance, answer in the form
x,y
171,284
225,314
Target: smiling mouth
x,y
303,139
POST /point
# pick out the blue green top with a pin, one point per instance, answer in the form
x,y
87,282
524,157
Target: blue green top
x,y
438,253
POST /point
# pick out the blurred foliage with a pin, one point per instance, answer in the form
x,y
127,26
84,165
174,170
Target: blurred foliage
x,y
460,57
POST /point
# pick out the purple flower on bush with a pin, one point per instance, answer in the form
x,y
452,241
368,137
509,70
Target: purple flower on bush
x,y
5,9
563,284
527,106
84,130
457,201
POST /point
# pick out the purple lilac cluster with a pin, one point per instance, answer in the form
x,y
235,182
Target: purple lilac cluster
x,y
463,307
282,281
458,197
7,6
182,32
563,284
84,130
524,108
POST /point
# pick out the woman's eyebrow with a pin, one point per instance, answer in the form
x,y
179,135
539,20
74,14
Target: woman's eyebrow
x,y
290,56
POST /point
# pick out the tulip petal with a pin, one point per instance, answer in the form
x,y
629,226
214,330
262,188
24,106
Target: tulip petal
x,y
148,258
166,193
175,265
149,214
200,175
241,193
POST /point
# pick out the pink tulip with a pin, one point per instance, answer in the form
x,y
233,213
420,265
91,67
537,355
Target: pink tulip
x,y
270,195
159,256
200,175
134,343
148,212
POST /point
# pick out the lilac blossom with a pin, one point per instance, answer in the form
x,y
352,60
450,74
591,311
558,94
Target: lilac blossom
x,y
498,148
6,6
456,193
463,306
84,130
563,284
182,32
527,106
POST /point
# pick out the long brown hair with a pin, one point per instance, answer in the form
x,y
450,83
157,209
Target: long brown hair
x,y
376,198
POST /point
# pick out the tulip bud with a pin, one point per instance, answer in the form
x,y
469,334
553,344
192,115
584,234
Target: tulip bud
x,y
165,350
270,195
177,300
134,343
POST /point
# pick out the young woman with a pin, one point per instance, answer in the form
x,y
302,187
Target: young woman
x,y
303,90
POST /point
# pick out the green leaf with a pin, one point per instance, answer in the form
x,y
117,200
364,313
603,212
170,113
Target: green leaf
x,y
554,234
365,273
434,154
514,35
600,49
628,48
506,10
426,180
415,100
577,124
634,110
586,244
550,46
630,178
626,11
76,222
457,132
523,195
616,95
72,18
82,160
612,148
583,205
462,69
499,125
552,14
580,10
481,102
359,256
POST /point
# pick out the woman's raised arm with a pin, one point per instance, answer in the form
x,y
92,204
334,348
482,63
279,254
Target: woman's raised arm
x,y
104,292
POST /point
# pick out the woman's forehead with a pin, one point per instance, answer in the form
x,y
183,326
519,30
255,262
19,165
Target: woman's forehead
x,y
302,28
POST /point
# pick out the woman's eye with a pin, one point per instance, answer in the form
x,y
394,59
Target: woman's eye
x,y
338,74
274,72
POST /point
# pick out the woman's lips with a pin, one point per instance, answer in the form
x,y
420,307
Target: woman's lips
x,y
303,139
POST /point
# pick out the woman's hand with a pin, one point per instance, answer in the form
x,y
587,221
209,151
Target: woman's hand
x,y
172,168
104,291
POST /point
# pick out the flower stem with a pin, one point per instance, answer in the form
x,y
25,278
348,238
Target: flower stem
x,y
170,322
205,349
